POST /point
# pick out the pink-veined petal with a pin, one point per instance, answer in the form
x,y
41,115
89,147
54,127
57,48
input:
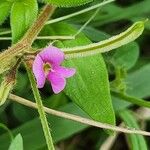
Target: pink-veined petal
x,y
38,71
57,82
53,55
65,72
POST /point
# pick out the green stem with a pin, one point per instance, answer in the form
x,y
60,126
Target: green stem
x,y
5,32
131,99
79,12
55,37
7,129
89,20
42,114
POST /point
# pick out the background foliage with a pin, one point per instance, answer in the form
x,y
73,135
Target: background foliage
x,y
88,93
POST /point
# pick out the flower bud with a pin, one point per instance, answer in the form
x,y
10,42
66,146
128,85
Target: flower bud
x,y
7,85
5,89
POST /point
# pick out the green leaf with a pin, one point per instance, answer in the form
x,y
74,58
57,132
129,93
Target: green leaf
x,y
126,56
17,143
138,82
5,7
89,88
137,142
68,3
23,14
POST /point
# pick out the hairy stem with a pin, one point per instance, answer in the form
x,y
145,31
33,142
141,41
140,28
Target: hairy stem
x,y
78,118
42,114
8,57
32,33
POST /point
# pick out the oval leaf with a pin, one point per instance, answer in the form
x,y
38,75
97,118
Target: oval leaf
x,y
5,7
89,88
126,56
23,14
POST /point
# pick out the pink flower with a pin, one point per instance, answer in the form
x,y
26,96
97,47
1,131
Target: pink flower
x,y
47,66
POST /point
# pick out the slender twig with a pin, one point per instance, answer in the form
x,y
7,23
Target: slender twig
x,y
131,99
56,37
78,118
5,32
107,144
42,114
88,21
79,12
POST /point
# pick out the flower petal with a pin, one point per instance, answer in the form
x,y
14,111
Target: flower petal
x,y
65,72
57,82
38,71
53,55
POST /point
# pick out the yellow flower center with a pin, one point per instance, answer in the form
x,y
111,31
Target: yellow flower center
x,y
46,68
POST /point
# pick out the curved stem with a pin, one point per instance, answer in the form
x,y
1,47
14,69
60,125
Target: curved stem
x,y
78,118
131,99
41,110
7,129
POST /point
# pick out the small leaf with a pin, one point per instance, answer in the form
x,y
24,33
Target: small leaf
x,y
17,143
5,7
68,3
138,82
126,56
137,142
23,14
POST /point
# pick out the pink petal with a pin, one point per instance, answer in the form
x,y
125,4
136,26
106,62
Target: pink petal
x,y
53,55
65,72
38,71
57,82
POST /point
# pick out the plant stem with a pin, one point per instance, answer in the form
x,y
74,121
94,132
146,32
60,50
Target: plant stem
x,y
131,99
79,12
35,29
5,32
8,130
78,118
55,37
42,114
89,20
